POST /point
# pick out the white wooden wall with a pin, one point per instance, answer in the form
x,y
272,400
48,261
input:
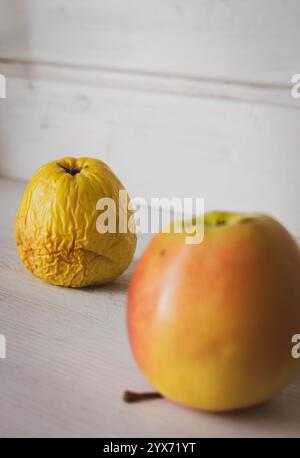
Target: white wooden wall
x,y
180,97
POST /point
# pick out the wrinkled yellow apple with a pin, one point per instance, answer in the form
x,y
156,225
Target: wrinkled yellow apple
x,y
211,325
56,233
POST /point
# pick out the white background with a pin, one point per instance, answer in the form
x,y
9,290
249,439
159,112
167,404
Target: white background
x,y
180,97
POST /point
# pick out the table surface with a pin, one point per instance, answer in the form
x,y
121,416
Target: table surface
x,y
68,363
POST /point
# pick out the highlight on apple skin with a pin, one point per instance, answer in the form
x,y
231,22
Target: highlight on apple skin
x,y
210,325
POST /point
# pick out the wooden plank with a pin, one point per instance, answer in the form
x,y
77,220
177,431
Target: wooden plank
x,y
240,156
238,41
68,362
173,85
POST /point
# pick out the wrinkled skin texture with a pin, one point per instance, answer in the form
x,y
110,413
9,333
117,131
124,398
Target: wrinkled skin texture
x,y
55,230
210,325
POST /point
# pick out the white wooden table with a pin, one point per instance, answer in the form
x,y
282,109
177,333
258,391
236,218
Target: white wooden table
x,y
68,363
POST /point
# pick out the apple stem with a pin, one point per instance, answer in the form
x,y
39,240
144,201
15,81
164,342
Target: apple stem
x,y
131,396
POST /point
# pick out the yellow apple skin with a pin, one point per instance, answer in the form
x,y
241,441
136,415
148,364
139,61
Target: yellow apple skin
x,y
56,225
210,325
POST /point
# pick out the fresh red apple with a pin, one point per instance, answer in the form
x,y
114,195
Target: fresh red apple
x,y
211,325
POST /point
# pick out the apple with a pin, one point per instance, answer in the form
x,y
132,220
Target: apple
x,y
211,325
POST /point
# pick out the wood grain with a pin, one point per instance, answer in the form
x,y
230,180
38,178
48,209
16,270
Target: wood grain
x,y
190,98
251,41
177,85
237,155
68,363
194,101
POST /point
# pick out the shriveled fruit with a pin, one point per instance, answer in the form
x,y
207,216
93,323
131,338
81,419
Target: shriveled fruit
x,y
56,232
